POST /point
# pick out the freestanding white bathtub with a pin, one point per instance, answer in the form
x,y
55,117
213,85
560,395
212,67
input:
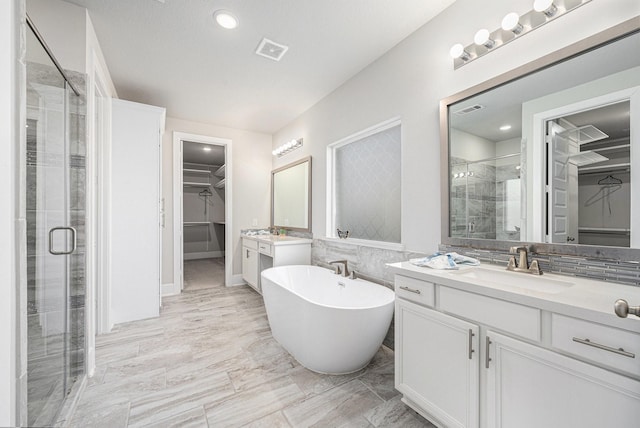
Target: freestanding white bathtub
x,y
329,323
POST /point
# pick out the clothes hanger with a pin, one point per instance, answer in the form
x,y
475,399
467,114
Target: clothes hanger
x,y
610,179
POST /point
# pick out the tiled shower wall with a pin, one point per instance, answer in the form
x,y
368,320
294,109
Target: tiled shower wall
x,y
473,200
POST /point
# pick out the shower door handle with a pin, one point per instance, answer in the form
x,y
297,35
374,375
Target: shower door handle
x,y
73,241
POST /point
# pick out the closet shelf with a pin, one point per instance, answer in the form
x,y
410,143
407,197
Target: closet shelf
x,y
610,148
220,184
615,230
604,168
220,172
195,184
197,223
196,171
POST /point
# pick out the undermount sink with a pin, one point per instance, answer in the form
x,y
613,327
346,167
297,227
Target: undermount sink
x,y
540,283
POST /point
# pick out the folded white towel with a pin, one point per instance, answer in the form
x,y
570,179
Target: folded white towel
x,y
445,261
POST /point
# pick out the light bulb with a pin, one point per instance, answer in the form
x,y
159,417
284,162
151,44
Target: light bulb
x,y
545,6
511,22
457,51
482,39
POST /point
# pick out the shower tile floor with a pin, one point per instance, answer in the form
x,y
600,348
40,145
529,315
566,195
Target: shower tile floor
x,y
209,360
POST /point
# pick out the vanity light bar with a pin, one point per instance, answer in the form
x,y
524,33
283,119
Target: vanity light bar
x,y
287,147
513,26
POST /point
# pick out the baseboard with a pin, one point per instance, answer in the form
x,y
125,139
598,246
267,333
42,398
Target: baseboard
x,y
237,280
169,290
203,255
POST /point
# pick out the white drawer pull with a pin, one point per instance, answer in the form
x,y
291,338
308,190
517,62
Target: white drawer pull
x,y
410,290
619,351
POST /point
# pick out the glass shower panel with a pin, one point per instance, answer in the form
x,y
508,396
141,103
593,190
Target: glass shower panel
x,y
485,198
50,239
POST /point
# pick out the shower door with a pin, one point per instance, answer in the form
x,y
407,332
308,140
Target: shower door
x,y
54,203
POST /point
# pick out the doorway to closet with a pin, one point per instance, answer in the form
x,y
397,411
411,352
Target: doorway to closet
x,y
203,215
201,212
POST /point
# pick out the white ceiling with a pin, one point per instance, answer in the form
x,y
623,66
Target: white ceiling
x,y
173,55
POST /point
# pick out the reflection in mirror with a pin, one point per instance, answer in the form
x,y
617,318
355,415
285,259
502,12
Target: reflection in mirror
x,y
590,186
291,196
545,156
485,193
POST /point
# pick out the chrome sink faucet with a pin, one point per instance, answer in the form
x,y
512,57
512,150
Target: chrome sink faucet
x,y
523,264
345,271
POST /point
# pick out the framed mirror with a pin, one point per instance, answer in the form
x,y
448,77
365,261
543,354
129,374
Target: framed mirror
x,y
547,153
291,196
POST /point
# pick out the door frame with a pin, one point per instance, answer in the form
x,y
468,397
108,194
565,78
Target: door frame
x,y
178,263
536,222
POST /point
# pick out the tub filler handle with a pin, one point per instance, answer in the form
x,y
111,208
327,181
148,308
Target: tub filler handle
x,y
344,263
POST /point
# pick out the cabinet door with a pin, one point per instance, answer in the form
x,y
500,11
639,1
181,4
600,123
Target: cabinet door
x,y
134,222
533,387
437,364
250,266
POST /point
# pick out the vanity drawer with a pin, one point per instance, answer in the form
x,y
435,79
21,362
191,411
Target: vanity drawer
x,y
265,248
415,290
510,317
599,343
249,243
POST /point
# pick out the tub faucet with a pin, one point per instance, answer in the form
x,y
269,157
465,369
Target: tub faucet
x,y
523,264
345,271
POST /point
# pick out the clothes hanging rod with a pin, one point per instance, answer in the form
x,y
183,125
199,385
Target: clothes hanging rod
x,y
210,165
50,54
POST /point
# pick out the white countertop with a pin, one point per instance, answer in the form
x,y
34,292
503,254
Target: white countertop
x,y
278,239
585,298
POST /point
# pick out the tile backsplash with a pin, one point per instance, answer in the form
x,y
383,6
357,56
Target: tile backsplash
x,y
622,272
372,262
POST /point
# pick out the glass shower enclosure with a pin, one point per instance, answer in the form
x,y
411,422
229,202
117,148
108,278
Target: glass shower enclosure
x,y
55,210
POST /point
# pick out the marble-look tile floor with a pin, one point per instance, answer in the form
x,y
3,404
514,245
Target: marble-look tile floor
x,y
209,360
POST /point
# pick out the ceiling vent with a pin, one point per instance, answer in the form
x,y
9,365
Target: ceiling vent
x,y
272,50
469,109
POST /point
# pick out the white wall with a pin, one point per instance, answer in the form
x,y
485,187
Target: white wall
x,y
9,225
411,79
470,147
63,27
251,153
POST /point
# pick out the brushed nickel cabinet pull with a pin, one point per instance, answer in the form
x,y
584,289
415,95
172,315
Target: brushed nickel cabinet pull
x,y
487,358
411,290
471,351
618,351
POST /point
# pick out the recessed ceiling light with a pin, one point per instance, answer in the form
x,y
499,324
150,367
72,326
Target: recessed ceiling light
x,y
206,149
505,127
225,19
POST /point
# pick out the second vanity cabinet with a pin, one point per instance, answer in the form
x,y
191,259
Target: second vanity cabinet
x,y
264,251
464,359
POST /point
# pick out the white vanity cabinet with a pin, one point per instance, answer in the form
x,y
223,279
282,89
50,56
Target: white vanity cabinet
x,y
250,270
530,387
264,251
437,363
465,358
